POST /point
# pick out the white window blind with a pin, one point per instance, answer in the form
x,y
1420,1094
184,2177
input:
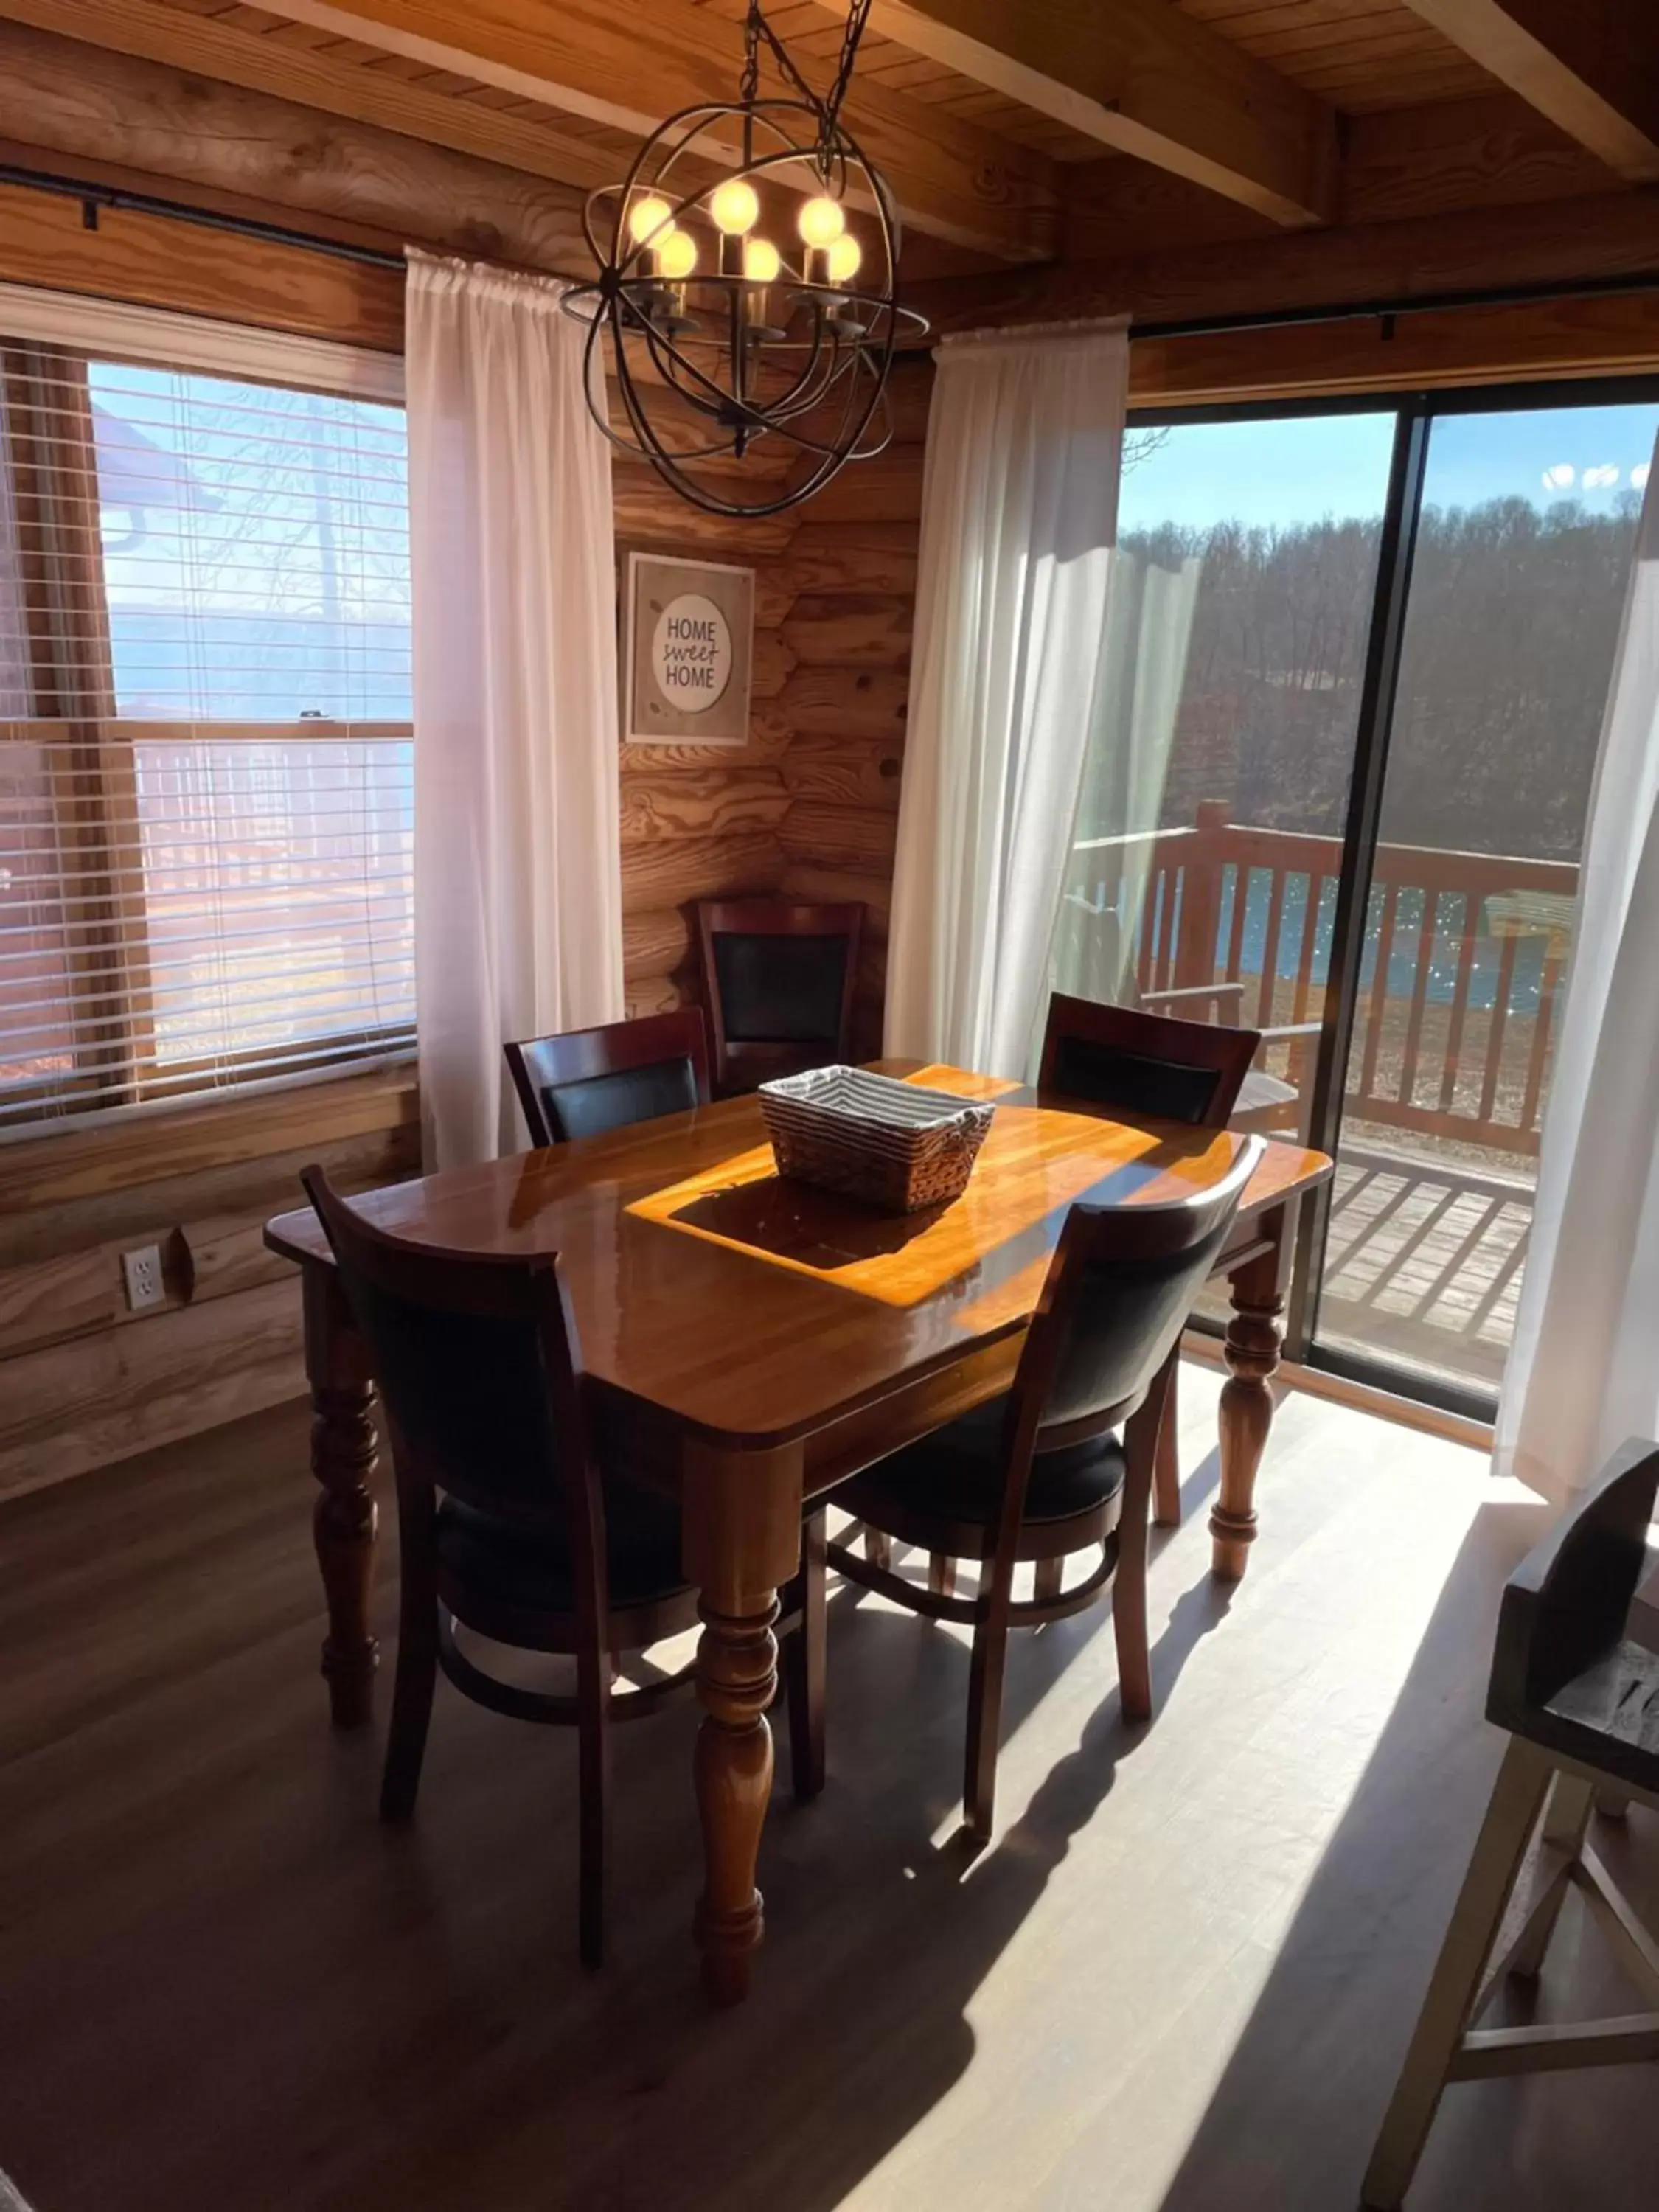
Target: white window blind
x,y
206,768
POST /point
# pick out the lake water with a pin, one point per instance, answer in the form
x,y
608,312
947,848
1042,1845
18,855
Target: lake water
x,y
1448,925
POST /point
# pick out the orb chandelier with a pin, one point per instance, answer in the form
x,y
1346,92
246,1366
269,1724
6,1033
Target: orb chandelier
x,y
719,341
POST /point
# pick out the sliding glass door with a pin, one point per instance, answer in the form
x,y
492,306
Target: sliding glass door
x,y
1355,676
1210,833
1523,542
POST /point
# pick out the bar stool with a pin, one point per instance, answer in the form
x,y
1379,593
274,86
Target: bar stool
x,y
1580,1703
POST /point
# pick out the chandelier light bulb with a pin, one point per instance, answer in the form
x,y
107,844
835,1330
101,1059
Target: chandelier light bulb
x,y
821,221
676,255
734,207
841,261
649,216
761,261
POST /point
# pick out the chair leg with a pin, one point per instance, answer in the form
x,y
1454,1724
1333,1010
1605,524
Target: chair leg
x,y
418,1675
941,1574
1134,1661
985,1674
805,1658
1167,1510
1046,1577
1566,1821
1476,1918
594,1796
878,1549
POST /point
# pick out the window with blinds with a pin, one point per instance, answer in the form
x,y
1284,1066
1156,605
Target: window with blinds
x,y
206,771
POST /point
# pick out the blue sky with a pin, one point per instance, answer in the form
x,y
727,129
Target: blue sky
x,y
1300,470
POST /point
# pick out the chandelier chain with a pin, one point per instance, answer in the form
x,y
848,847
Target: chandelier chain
x,y
858,15
748,90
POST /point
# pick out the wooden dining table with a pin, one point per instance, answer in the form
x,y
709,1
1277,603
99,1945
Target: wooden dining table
x,y
748,1343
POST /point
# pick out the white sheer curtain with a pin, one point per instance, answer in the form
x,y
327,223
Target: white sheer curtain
x,y
517,898
1019,516
1148,628
1583,1373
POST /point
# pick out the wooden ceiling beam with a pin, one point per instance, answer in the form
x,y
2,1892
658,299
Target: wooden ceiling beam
x,y
1591,66
1141,78
630,67
1492,150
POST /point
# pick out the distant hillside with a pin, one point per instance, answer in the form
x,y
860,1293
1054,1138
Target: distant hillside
x,y
1513,625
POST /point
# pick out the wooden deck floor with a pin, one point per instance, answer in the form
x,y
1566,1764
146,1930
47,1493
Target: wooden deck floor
x,y
1179,1980
1424,1262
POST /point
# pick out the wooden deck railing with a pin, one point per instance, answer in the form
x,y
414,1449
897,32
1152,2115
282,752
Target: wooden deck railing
x,y
1457,1016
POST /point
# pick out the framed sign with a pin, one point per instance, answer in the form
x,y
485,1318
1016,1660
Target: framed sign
x,y
687,640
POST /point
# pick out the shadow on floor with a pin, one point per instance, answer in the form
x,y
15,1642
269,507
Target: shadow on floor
x,y
223,1985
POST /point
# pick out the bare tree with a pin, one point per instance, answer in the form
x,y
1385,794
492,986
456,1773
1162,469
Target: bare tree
x,y
1139,445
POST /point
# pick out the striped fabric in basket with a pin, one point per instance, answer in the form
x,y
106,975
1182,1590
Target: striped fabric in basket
x,y
891,1144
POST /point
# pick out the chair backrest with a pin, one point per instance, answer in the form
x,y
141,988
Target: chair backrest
x,y
1120,1288
477,1366
583,1082
1142,1065
777,972
1565,1608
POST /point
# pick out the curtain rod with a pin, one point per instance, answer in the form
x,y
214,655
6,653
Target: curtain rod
x,y
117,199
1387,310
93,197
989,333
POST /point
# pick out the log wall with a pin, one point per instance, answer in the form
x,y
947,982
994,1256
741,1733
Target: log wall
x,y
83,1380
809,806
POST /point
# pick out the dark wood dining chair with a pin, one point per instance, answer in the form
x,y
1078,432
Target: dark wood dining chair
x,y
1144,1065
1266,1104
778,979
510,1525
1579,1700
1064,1462
582,1081
1132,1062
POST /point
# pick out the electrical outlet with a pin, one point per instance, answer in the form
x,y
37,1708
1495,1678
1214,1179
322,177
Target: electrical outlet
x,y
142,1271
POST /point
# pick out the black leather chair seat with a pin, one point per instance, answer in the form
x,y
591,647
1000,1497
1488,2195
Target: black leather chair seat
x,y
531,1568
956,1474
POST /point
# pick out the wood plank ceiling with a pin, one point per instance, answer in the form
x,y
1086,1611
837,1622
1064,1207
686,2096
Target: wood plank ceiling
x,y
1361,55
1011,131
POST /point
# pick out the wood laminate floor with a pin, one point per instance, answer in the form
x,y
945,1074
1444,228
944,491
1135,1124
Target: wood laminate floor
x,y
1182,1977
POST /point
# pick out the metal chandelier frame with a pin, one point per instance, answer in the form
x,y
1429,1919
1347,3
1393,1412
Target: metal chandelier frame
x,y
703,370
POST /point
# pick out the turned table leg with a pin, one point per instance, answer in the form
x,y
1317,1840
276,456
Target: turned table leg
x,y
343,1459
736,1680
742,1541
1251,1347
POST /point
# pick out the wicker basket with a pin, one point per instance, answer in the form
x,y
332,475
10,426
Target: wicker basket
x,y
873,1137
